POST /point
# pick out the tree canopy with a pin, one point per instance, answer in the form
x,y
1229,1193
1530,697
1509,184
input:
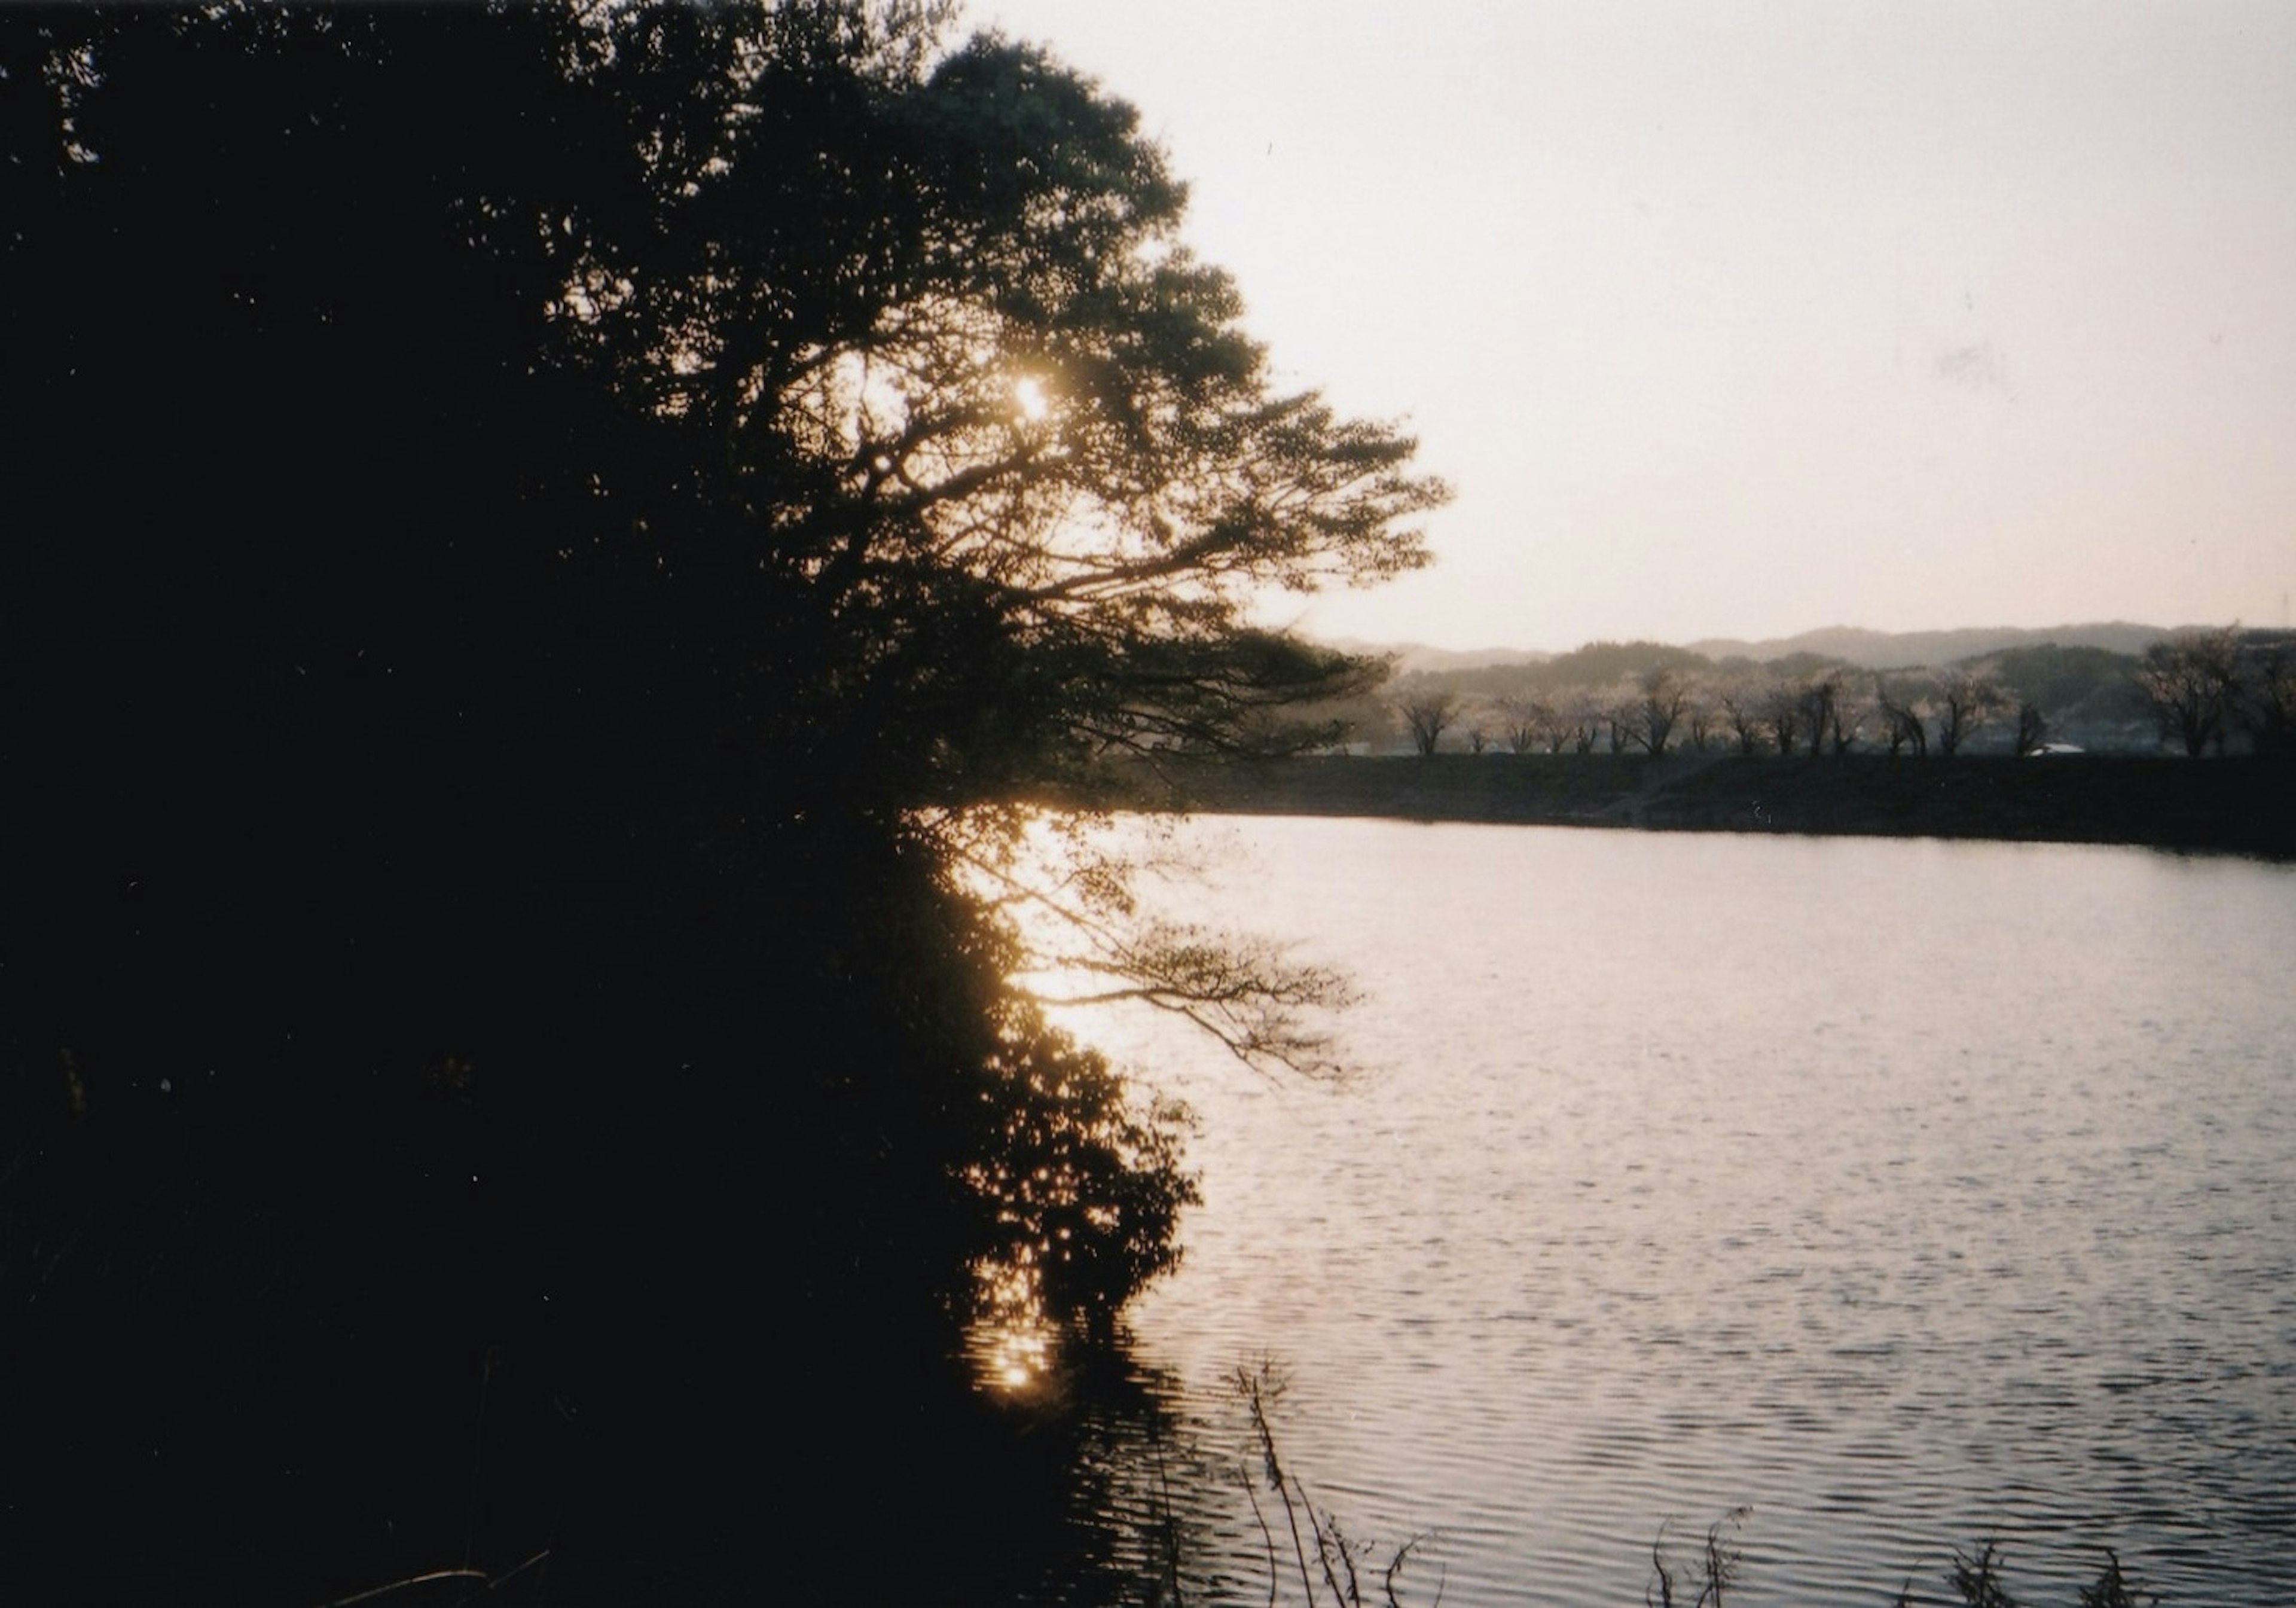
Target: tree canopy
x,y
541,542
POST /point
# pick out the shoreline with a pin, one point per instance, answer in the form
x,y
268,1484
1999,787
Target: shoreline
x,y
2238,805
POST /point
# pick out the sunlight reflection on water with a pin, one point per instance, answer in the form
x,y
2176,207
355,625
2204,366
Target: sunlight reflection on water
x,y
1914,1193
1013,1346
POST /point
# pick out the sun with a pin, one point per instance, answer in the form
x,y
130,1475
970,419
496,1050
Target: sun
x,y
1034,404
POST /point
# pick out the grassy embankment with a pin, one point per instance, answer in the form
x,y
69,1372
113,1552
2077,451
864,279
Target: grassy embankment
x,y
2238,805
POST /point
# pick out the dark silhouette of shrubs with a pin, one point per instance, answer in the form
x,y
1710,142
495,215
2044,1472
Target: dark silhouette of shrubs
x,y
540,537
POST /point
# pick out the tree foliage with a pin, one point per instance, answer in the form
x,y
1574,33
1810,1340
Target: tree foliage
x,y
1966,700
543,543
2267,694
1428,712
2191,680
1903,720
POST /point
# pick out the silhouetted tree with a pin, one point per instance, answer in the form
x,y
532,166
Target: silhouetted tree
x,y
1621,719
1849,723
541,543
2267,694
1743,711
1700,711
1428,713
2190,680
1530,725
2032,729
1585,716
1966,701
1822,714
1664,695
1902,724
1785,713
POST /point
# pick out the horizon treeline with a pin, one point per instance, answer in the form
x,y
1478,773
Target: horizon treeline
x,y
2203,690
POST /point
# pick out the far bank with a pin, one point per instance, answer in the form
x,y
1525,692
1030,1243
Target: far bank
x,y
2240,805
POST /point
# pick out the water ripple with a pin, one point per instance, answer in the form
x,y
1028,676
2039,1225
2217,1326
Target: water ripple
x,y
1917,1195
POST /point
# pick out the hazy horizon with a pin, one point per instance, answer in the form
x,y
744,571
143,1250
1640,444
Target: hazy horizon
x,y
1725,323
1355,642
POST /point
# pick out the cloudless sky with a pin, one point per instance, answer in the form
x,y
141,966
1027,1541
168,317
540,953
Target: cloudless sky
x,y
1743,317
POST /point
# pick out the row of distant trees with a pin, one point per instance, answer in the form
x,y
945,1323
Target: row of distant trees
x,y
2196,692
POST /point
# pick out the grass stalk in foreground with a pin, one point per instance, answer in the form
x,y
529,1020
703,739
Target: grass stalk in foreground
x,y
1331,1571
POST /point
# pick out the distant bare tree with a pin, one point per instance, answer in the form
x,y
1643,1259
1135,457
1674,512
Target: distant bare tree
x,y
1622,716
1845,718
2190,680
1700,712
1583,721
1428,713
1529,726
2032,728
1659,711
1902,727
1783,709
1820,694
1966,701
2267,695
1743,711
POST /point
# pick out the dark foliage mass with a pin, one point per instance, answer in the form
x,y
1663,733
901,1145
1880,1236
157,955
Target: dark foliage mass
x,y
538,541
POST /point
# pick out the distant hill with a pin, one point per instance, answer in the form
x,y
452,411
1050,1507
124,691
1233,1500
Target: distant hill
x,y
1869,650
1413,657
1892,649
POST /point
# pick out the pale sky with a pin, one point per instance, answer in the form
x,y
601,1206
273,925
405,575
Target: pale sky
x,y
1743,317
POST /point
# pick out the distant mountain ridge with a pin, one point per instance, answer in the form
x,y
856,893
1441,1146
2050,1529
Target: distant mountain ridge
x,y
1415,656
1868,650
1895,649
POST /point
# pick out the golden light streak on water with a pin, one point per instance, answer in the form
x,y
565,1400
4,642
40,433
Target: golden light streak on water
x,y
1013,1346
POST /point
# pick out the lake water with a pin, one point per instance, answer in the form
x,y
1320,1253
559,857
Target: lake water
x,y
1912,1193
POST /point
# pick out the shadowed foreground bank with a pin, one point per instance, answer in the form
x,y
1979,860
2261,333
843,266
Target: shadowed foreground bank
x,y
2237,805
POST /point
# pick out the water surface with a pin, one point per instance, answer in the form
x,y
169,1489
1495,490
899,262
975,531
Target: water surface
x,y
1913,1193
